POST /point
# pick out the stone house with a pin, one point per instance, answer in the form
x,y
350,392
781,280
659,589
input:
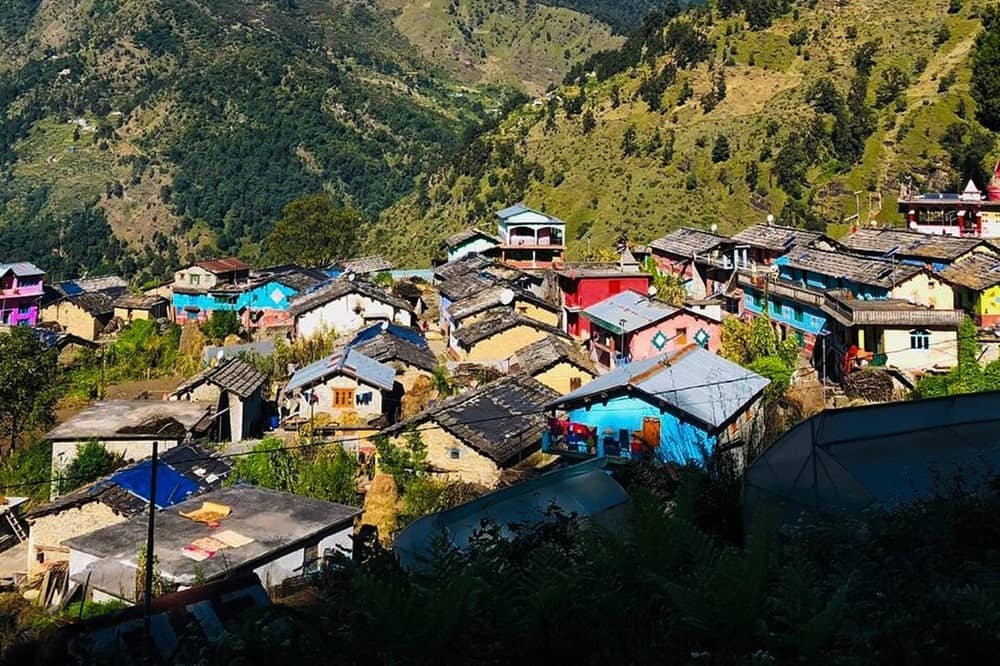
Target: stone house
x,y
496,338
556,362
233,387
345,305
404,349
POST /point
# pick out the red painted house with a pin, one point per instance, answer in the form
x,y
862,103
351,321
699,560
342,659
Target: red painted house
x,y
583,285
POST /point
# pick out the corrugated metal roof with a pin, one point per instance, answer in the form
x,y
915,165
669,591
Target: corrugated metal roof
x,y
348,362
21,269
701,384
629,311
518,208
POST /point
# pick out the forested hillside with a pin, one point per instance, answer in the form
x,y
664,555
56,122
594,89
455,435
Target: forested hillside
x,y
811,111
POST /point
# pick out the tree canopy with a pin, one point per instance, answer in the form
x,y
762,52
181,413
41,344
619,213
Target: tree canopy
x,y
313,231
27,378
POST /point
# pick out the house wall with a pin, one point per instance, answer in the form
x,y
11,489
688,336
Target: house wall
x,y
474,246
641,343
72,318
680,441
943,350
985,306
503,345
807,321
64,452
324,394
927,289
48,532
470,466
195,277
744,434
291,564
268,297
339,315
79,560
559,377
19,299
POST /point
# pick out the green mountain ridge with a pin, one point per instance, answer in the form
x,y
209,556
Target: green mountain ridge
x,y
822,112
177,128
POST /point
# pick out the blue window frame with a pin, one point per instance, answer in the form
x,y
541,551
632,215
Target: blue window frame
x,y
920,339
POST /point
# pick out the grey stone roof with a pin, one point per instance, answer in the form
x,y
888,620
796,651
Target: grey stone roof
x,y
548,352
296,277
133,420
909,244
467,264
232,374
386,347
366,265
503,420
776,237
687,242
860,270
977,271
486,298
97,303
499,322
331,291
466,235
138,302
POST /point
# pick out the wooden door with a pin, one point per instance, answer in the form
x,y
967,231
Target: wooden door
x,y
651,431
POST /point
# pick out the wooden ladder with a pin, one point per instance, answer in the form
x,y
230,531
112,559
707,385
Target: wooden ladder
x,y
15,525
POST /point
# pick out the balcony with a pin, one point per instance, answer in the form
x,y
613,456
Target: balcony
x,y
577,440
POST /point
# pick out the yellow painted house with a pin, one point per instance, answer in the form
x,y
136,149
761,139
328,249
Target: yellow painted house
x,y
474,437
976,282
556,362
497,338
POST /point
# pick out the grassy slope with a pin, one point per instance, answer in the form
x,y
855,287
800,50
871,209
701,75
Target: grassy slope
x,y
514,42
587,179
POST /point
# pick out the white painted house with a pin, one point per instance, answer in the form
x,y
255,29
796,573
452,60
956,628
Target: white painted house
x,y
347,385
346,305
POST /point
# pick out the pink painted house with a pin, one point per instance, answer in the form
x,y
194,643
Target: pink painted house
x,y
20,292
631,327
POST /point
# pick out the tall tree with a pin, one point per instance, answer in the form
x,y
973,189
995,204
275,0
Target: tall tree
x,y
985,86
27,376
314,232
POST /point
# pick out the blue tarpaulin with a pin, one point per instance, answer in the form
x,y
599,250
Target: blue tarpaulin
x,y
171,486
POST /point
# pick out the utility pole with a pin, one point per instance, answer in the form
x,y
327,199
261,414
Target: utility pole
x,y
148,581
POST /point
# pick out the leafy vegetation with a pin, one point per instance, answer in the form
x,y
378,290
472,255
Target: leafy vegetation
x,y
324,472
21,470
92,461
969,376
27,382
755,345
313,231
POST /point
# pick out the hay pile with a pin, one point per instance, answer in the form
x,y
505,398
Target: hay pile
x,y
381,507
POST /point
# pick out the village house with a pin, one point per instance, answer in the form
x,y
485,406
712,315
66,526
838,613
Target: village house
x,y
914,248
761,244
496,338
233,388
223,533
21,289
702,259
556,362
474,273
346,305
181,472
630,326
470,241
83,307
67,344
129,428
477,435
966,214
412,293
976,279
404,349
845,310
584,285
530,239
679,407
133,307
486,302
348,387
362,266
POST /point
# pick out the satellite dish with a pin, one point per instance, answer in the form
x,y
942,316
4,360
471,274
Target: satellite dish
x,y
714,227
770,218
351,277
506,297
385,324
652,291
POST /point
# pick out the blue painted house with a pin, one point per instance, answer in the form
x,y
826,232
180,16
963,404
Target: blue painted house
x,y
678,407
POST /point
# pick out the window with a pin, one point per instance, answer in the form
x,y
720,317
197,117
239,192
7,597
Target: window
x,y
574,383
682,337
798,315
310,558
24,309
454,454
195,279
920,339
343,398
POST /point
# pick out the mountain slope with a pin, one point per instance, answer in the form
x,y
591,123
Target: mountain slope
x,y
609,163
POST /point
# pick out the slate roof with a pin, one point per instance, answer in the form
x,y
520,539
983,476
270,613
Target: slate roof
x,y
348,362
638,311
21,269
977,272
464,236
204,470
575,270
227,265
394,343
138,302
366,265
776,237
687,242
861,270
499,322
232,374
548,352
489,297
910,244
276,522
467,264
324,293
97,304
93,284
702,385
503,420
296,277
